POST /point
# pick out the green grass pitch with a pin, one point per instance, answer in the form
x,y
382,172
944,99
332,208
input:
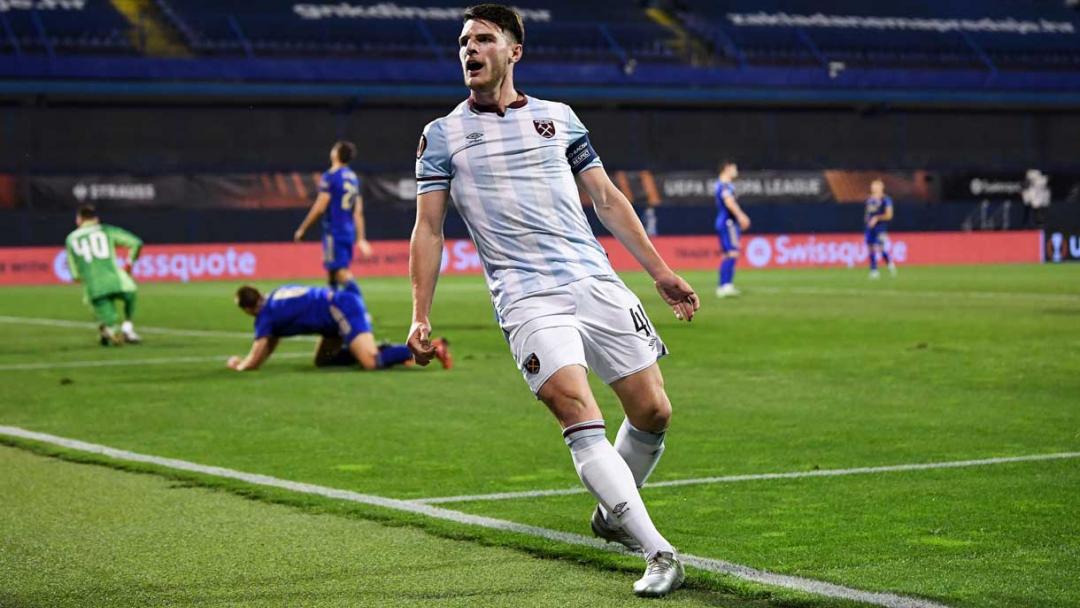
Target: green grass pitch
x,y
810,370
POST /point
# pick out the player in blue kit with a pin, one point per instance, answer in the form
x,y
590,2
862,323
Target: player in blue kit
x,y
879,210
341,208
730,222
339,316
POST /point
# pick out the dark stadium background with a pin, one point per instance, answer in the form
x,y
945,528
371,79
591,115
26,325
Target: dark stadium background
x,y
249,95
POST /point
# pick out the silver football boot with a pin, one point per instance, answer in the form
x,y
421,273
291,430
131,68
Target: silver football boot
x,y
611,534
663,574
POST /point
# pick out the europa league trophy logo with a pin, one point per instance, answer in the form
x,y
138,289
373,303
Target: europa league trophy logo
x,y
1056,241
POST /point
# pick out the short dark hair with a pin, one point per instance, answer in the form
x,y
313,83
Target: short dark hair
x,y
87,212
724,164
248,297
505,17
346,151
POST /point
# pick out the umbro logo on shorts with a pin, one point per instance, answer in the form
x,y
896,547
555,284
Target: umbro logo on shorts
x,y
532,364
546,128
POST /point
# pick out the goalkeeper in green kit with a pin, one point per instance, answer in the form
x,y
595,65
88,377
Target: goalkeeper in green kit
x,y
91,256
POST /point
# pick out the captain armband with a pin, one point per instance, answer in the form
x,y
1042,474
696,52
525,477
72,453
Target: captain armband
x,y
580,154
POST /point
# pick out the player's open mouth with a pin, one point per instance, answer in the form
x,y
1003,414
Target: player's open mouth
x,y
473,67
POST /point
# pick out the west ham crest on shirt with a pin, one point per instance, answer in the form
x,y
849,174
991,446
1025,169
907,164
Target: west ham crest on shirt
x,y
546,128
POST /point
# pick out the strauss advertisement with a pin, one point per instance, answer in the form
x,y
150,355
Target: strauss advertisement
x,y
257,261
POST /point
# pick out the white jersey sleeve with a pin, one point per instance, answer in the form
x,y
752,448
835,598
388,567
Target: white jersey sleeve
x,y
433,168
580,153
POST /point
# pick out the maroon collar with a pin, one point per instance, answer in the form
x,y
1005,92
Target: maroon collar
x,y
479,107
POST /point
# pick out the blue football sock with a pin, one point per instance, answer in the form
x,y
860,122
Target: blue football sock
x,y
392,354
885,256
727,271
873,260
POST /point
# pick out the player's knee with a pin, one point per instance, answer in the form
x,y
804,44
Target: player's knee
x,y
654,412
659,416
366,355
368,361
342,276
733,254
365,351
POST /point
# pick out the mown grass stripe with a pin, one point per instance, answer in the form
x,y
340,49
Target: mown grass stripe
x,y
887,600
894,468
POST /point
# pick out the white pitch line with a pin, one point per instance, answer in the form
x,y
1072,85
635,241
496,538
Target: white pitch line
x,y
805,585
131,362
168,331
845,291
955,464
164,331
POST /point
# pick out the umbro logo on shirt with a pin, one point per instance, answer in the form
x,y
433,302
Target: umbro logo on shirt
x,y
474,137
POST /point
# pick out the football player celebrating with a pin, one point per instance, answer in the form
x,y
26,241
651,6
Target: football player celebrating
x,y
512,164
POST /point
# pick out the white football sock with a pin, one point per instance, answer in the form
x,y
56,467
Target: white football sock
x,y
127,327
641,450
607,476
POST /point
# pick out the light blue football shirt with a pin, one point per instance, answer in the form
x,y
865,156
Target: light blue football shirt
x,y
511,177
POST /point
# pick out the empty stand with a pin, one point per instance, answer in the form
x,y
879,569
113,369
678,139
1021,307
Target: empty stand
x,y
92,27
947,33
280,28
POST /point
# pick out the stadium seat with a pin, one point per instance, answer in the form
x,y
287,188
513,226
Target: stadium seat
x,y
895,46
96,27
277,28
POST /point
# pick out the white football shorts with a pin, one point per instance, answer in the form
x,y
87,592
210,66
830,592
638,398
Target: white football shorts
x,y
595,322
